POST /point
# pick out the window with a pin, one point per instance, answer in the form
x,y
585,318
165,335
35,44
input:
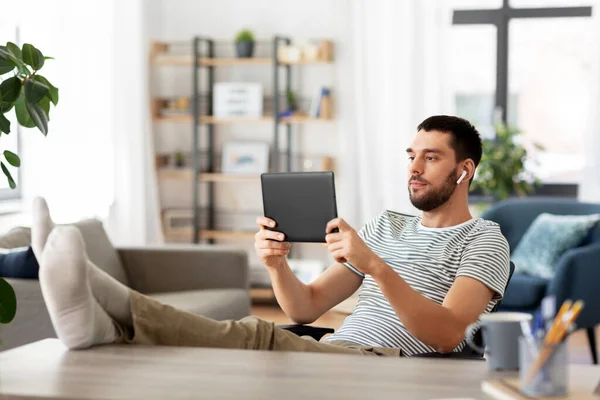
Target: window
x,y
550,64
550,72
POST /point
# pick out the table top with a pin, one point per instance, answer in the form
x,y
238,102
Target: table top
x,y
47,369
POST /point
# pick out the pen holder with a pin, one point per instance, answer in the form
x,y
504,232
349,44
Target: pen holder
x,y
551,378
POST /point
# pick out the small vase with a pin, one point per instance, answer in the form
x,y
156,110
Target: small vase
x,y
244,49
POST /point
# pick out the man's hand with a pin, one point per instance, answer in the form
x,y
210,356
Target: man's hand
x,y
270,245
347,246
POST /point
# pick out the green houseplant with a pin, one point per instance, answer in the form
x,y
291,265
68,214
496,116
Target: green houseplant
x,y
244,43
30,94
501,171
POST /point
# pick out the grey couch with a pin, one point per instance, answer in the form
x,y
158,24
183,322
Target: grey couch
x,y
210,281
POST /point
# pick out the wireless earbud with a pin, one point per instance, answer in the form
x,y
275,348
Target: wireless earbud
x,y
462,176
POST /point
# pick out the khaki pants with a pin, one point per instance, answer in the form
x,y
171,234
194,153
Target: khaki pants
x,y
158,324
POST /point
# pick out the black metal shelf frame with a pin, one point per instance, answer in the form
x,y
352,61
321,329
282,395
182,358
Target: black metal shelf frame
x,y
198,42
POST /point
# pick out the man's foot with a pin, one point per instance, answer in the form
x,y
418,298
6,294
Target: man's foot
x,y
78,319
41,227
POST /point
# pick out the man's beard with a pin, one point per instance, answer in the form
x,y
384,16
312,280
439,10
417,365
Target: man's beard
x,y
436,196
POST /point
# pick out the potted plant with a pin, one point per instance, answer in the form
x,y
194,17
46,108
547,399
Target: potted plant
x,y
179,159
292,102
501,171
244,43
30,94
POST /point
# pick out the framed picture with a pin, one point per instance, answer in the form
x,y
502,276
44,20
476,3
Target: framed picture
x,y
250,158
241,99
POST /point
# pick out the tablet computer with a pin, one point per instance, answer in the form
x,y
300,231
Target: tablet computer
x,y
300,203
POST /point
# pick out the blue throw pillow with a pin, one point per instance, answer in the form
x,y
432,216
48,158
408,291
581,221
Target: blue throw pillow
x,y
548,237
19,263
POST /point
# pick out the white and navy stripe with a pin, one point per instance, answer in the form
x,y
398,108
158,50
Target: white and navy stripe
x,y
429,260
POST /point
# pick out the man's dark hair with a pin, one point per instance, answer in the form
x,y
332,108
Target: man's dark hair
x,y
466,141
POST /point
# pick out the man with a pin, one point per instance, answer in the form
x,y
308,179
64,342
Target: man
x,y
422,279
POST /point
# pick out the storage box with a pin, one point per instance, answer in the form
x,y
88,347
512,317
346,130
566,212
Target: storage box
x,y
238,100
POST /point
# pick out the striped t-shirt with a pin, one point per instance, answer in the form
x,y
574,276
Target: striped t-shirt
x,y
429,260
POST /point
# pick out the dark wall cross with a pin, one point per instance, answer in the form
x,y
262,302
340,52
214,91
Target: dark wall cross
x,y
501,18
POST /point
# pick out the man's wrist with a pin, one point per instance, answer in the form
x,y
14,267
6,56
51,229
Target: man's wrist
x,y
378,268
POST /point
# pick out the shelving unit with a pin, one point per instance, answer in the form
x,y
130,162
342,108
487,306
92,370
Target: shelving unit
x,y
203,57
300,119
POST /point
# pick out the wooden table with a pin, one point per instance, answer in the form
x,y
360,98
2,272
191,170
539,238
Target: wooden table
x,y
47,369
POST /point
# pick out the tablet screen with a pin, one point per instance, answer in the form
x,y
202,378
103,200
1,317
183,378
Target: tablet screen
x,y
301,203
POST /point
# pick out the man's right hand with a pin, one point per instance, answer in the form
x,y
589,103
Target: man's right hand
x,y
270,245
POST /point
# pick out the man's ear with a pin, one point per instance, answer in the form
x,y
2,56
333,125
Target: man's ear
x,y
469,166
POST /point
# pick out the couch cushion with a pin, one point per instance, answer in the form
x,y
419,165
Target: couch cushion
x,y
100,250
524,291
16,237
219,304
548,238
18,263
98,246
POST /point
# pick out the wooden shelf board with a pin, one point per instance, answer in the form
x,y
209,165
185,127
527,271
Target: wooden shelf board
x,y
188,174
229,178
187,60
218,62
303,119
175,173
303,62
216,121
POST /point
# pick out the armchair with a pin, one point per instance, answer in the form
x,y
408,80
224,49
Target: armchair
x,y
577,273
467,353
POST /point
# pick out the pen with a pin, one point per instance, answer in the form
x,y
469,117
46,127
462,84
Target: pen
x,y
560,326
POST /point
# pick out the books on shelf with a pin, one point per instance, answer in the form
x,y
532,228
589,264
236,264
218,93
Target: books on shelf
x,y
321,105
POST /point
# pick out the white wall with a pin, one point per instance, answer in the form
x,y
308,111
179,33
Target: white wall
x,y
72,165
182,19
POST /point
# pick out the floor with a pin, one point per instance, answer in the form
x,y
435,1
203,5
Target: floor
x,y
579,352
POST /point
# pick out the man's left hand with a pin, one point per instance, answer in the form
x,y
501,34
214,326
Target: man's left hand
x,y
347,246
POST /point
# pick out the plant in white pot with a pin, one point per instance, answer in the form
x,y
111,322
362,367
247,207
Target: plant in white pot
x,y
23,89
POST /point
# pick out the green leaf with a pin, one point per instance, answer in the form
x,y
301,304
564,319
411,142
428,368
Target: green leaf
x,y
32,56
53,92
38,116
35,91
8,302
23,114
12,158
9,177
48,58
14,49
10,89
45,103
6,107
7,55
6,66
23,70
4,124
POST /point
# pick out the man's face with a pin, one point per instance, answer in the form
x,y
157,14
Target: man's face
x,y
432,170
